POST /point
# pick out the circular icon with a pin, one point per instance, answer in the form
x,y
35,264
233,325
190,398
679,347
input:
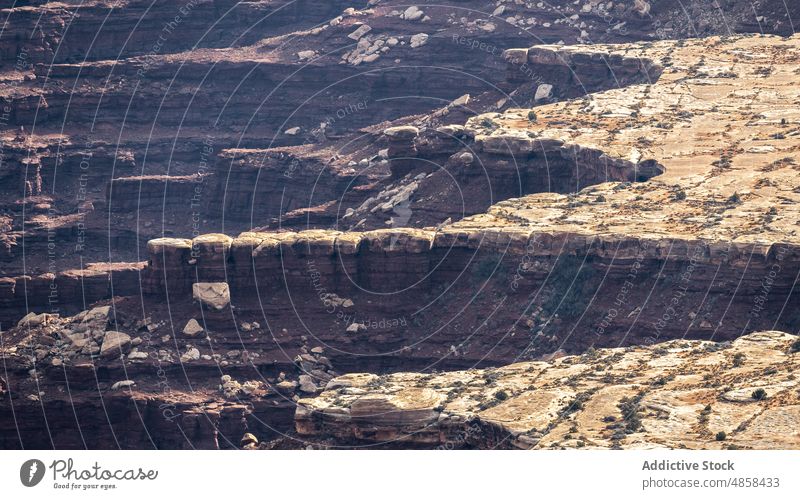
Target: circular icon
x,y
31,472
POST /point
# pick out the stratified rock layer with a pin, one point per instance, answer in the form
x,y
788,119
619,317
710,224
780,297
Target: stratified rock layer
x,y
663,208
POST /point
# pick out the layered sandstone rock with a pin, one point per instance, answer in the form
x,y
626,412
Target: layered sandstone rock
x,y
156,178
679,394
45,32
68,291
736,189
656,204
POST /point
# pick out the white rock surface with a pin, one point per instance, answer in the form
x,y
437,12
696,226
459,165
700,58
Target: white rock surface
x,y
359,32
214,295
412,13
192,328
123,384
543,91
419,40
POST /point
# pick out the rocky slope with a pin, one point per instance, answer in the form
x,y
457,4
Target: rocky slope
x,y
103,379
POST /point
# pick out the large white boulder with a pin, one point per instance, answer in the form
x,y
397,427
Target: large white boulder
x,y
214,295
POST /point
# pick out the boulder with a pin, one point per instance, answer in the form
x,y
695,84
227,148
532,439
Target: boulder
x,y
79,340
123,384
137,356
213,295
249,441
419,40
192,328
356,328
543,91
97,315
35,320
412,13
115,344
229,386
402,133
307,384
191,354
359,32
91,348
516,56
286,386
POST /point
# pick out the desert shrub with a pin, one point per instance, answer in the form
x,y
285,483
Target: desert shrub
x,y
571,280
629,407
489,267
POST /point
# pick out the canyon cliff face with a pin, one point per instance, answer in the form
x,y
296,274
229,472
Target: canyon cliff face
x,y
212,211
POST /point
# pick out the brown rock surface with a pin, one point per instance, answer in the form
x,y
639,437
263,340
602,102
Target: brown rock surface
x,y
115,344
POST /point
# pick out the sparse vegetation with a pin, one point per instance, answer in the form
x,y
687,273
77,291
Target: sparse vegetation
x,y
703,418
489,267
759,394
630,412
490,377
570,279
721,436
487,123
